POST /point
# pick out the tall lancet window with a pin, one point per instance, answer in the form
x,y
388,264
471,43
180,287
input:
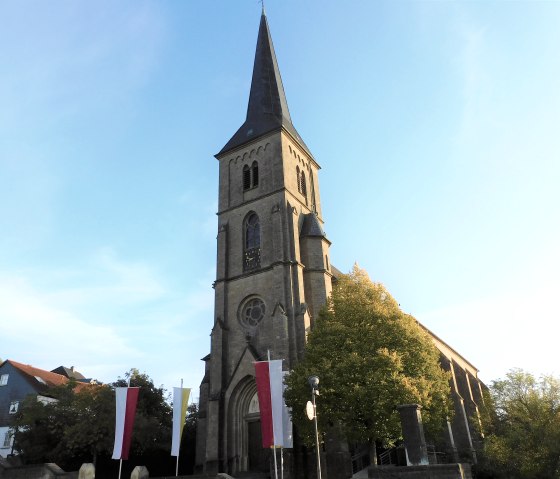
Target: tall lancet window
x,y
250,176
255,173
252,250
313,204
303,185
298,179
246,177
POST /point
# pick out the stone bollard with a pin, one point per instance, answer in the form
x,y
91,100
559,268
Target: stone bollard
x,y
413,434
87,471
140,472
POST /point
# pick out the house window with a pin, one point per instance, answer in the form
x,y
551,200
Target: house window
x,y
251,176
298,179
4,379
252,250
7,439
14,406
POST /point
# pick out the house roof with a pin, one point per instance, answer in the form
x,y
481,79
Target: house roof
x,y
39,378
69,372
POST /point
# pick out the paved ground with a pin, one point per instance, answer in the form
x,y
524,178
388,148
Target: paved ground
x,y
361,474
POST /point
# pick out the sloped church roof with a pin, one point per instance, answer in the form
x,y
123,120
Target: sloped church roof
x,y
268,107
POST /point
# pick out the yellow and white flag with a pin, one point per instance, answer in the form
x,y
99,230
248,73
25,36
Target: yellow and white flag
x,y
180,402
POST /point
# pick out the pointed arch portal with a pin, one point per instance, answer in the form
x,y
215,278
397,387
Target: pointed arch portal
x,y
245,451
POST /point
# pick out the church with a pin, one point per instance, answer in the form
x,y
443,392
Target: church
x,y
273,275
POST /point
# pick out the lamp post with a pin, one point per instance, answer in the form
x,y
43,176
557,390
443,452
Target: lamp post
x,y
314,383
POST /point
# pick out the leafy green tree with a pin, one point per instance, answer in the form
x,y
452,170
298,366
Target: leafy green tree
x,y
79,425
370,357
91,432
522,427
73,427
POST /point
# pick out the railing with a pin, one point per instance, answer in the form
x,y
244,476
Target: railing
x,y
436,457
388,457
360,457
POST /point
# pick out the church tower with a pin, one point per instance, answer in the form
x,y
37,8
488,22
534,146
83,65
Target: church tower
x,y
273,273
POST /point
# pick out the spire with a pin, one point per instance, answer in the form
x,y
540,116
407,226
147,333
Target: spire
x,y
311,226
268,107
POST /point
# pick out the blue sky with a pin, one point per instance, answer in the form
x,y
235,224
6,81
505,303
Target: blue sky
x,y
436,125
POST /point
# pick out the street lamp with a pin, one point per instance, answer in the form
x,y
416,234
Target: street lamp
x,y
314,384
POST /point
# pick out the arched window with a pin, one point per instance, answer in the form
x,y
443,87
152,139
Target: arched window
x,y
303,185
255,174
298,179
252,250
313,204
246,177
250,176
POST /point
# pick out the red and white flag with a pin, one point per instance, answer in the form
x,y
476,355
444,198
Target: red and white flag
x,y
126,400
276,426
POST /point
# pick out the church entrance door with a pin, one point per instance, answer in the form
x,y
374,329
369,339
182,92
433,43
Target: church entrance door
x,y
258,456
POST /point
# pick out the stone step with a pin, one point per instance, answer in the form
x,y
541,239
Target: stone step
x,y
252,475
196,476
240,475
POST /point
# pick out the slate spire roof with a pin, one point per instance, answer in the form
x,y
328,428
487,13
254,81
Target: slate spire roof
x,y
268,107
311,226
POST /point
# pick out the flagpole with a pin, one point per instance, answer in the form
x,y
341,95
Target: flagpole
x,y
273,445
182,419
281,463
275,463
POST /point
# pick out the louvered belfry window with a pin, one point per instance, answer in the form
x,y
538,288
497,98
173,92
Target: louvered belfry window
x,y
303,185
246,178
250,176
255,173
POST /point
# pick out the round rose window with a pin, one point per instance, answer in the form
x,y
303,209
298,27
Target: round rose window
x,y
253,313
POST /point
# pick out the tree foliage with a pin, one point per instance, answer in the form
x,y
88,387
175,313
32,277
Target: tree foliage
x,y
370,357
522,429
79,426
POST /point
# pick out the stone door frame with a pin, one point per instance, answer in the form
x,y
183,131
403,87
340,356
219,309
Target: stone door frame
x,y
242,411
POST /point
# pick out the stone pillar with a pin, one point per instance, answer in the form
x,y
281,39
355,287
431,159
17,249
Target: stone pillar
x,y
413,434
452,446
140,472
87,471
